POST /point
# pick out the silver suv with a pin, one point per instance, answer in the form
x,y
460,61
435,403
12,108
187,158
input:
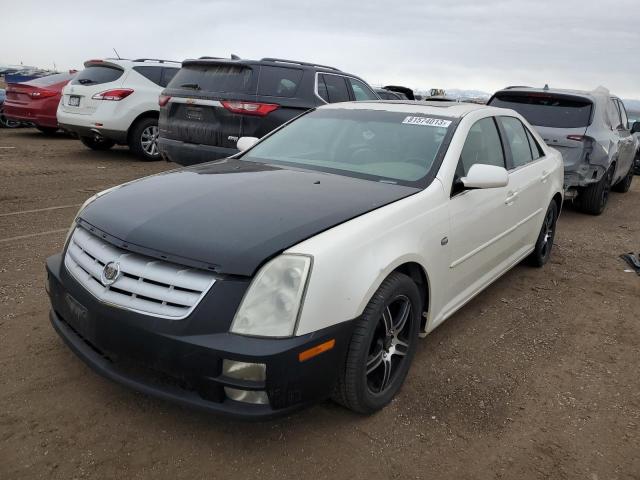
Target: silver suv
x,y
590,129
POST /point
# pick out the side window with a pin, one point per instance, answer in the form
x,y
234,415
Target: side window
x,y
623,115
150,73
336,88
612,115
536,150
167,76
517,140
279,81
322,89
482,146
361,91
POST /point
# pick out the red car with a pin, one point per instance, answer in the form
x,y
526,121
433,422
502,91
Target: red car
x,y
36,101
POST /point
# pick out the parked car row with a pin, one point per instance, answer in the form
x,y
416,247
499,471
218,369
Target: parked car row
x,y
335,228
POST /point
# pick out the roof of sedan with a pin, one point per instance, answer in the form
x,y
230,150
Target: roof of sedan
x,y
449,109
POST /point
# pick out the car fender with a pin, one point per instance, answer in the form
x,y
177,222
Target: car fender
x,y
351,260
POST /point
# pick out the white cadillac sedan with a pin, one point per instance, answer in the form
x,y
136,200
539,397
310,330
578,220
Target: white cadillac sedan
x,y
310,263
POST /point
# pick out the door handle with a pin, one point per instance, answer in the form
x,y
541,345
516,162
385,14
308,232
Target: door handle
x,y
544,176
511,197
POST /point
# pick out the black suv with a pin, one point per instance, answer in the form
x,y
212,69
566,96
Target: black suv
x,y
212,102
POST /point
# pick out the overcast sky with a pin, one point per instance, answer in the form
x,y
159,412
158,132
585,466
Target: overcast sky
x,y
467,44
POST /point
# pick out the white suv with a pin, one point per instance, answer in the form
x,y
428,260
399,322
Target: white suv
x,y
115,101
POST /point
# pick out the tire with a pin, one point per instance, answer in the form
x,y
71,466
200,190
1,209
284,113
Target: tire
x,y
624,184
386,353
48,130
542,251
97,144
594,198
143,139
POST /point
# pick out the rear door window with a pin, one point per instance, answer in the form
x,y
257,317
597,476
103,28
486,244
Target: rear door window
x,y
623,115
517,140
336,88
279,81
214,78
547,110
150,73
97,74
322,89
361,91
536,150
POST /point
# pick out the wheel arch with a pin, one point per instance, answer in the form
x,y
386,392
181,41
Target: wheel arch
x,y
143,115
414,270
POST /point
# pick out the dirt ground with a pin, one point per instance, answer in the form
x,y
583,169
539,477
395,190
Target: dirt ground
x,y
538,377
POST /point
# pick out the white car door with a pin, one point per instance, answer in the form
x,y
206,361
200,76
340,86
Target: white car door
x,y
529,172
479,240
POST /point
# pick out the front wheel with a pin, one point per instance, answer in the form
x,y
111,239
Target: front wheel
x,y
95,143
143,139
544,244
382,347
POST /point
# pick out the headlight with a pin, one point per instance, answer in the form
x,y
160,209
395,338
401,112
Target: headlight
x,y
84,205
271,305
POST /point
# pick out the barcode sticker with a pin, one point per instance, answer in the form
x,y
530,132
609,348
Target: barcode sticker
x,y
427,122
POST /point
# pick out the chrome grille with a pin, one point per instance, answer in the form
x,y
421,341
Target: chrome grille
x,y
145,285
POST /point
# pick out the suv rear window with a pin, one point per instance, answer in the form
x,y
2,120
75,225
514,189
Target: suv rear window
x,y
547,110
279,81
214,78
96,74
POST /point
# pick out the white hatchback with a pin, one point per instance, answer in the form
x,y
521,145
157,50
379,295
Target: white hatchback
x,y
115,101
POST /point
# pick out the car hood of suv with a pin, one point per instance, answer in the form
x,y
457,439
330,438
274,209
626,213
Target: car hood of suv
x,y
231,215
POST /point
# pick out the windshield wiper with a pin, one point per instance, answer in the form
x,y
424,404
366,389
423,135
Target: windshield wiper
x,y
84,81
194,86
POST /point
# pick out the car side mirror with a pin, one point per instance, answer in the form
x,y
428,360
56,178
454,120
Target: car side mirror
x,y
485,176
635,128
244,143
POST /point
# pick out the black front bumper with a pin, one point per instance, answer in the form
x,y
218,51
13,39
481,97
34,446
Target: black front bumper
x,y
186,154
186,367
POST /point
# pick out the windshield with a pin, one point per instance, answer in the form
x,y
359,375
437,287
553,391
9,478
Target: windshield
x,y
547,110
378,145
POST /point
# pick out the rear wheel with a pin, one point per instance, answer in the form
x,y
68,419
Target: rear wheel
x,y
382,347
594,198
143,139
48,130
97,143
624,185
544,244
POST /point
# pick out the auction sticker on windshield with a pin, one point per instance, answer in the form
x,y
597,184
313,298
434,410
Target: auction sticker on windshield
x,y
427,122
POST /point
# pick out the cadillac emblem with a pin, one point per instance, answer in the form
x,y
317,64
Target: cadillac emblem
x,y
110,273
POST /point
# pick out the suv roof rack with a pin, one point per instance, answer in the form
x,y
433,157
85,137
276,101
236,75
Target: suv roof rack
x,y
307,64
160,60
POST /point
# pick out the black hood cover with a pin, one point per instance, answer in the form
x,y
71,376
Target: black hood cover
x,y
232,215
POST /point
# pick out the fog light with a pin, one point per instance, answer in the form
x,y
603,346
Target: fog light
x,y
244,371
248,396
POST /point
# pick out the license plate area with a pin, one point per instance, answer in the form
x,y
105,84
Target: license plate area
x,y
78,316
74,100
193,113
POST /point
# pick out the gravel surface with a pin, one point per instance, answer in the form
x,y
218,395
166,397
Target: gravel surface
x,y
537,377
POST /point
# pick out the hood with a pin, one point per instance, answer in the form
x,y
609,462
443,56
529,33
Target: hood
x,y
232,215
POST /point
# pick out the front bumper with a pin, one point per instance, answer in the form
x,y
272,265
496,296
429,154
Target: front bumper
x,y
186,366
185,154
